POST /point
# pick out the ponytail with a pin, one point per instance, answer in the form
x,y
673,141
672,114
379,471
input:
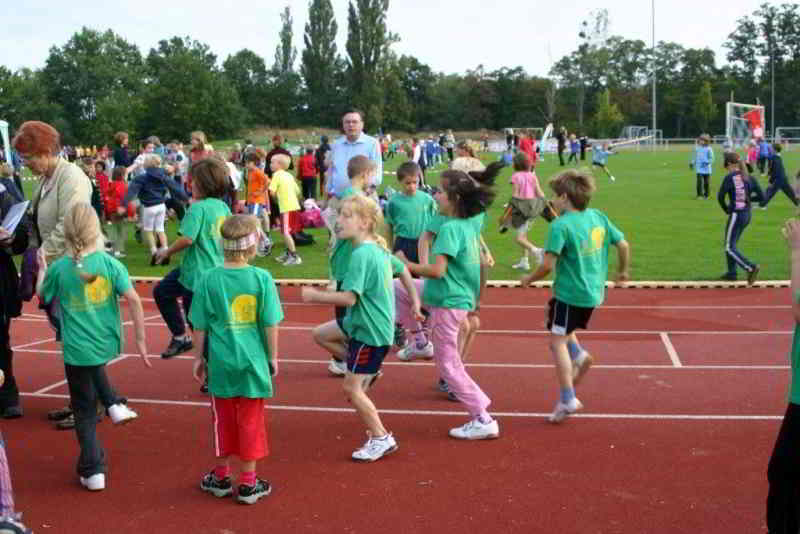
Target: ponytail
x,y
470,194
81,231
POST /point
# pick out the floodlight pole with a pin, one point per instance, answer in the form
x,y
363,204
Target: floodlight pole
x,y
772,88
653,16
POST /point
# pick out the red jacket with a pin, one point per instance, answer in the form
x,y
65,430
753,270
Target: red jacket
x,y
307,167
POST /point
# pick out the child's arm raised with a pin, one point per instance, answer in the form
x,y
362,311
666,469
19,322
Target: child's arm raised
x,y
137,316
791,231
545,268
337,298
272,344
623,261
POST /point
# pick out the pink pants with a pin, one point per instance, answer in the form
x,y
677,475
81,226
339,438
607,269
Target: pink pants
x,y
403,305
445,323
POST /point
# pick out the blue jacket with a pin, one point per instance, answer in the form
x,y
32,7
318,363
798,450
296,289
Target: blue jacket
x,y
703,159
777,172
741,192
151,188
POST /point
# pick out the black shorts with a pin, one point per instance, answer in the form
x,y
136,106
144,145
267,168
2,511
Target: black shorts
x,y
340,311
408,246
363,359
563,318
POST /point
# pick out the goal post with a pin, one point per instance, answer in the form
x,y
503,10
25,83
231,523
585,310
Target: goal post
x,y
743,122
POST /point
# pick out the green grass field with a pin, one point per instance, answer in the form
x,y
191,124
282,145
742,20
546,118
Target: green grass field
x,y
673,236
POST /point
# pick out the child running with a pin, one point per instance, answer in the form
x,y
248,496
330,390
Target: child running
x,y
87,282
451,287
600,159
701,163
527,202
285,188
258,199
367,292
577,246
331,335
237,307
574,148
742,190
199,236
783,512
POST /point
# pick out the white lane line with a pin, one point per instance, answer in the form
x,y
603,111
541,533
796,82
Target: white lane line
x,y
673,354
33,343
328,409
62,382
715,367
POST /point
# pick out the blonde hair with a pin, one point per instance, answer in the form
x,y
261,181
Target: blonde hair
x,y
5,170
200,136
283,160
367,210
152,160
81,231
237,227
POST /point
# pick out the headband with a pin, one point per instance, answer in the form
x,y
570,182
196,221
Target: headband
x,y
243,243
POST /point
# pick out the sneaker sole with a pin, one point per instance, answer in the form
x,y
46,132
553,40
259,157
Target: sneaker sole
x,y
370,460
252,499
125,421
217,492
751,277
563,415
582,369
476,438
165,356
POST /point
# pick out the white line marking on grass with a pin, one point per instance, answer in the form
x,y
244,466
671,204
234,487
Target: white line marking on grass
x,y
673,354
329,409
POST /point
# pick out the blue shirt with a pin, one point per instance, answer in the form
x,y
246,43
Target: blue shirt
x,y
703,158
600,156
341,152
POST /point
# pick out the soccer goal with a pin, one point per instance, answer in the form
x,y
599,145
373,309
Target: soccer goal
x,y
743,122
788,136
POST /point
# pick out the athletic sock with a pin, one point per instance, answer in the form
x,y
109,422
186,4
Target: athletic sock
x,y
222,471
484,418
574,349
247,478
420,338
567,394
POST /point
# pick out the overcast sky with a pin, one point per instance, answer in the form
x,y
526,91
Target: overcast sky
x,y
449,35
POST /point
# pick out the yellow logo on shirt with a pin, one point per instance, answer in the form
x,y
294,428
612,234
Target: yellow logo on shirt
x,y
243,309
595,242
98,291
217,226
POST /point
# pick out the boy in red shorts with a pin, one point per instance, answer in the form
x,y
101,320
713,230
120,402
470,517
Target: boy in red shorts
x,y
237,307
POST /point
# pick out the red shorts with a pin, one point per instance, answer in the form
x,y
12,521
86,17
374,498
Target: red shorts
x,y
240,428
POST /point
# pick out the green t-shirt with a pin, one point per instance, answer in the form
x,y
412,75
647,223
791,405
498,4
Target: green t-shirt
x,y
794,361
458,288
371,319
233,306
340,257
581,239
201,224
90,317
409,215
437,220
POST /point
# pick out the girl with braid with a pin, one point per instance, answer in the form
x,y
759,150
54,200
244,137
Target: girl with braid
x,y
87,281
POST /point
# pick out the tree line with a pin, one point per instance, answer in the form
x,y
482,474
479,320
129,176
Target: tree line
x,y
98,83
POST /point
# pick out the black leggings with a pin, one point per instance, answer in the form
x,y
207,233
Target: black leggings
x,y
783,473
702,185
309,188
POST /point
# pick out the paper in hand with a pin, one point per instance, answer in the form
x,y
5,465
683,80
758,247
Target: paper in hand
x,y
14,216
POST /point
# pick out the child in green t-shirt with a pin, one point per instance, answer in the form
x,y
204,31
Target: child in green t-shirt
x,y
783,514
87,282
451,289
330,335
199,236
237,307
408,212
368,293
577,246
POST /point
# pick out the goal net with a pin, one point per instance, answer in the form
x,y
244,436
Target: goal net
x,y
787,135
743,122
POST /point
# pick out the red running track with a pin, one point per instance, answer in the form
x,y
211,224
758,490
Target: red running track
x,y
681,413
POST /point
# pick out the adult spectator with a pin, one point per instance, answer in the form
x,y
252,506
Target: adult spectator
x,y
450,143
528,146
322,161
122,158
354,142
61,185
277,148
10,303
561,137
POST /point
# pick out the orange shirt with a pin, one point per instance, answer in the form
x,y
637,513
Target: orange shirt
x,y
257,183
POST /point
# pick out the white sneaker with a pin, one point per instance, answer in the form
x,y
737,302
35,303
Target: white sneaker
x,y
121,414
96,482
523,264
412,351
293,260
580,366
476,430
613,179
118,254
283,257
337,368
562,410
375,448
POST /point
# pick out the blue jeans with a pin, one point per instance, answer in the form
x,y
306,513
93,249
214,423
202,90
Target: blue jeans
x,y
166,294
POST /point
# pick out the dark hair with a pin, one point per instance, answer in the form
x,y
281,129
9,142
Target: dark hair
x,y
101,163
118,174
324,138
522,162
252,157
577,185
210,177
487,176
777,147
733,158
468,196
409,168
354,110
